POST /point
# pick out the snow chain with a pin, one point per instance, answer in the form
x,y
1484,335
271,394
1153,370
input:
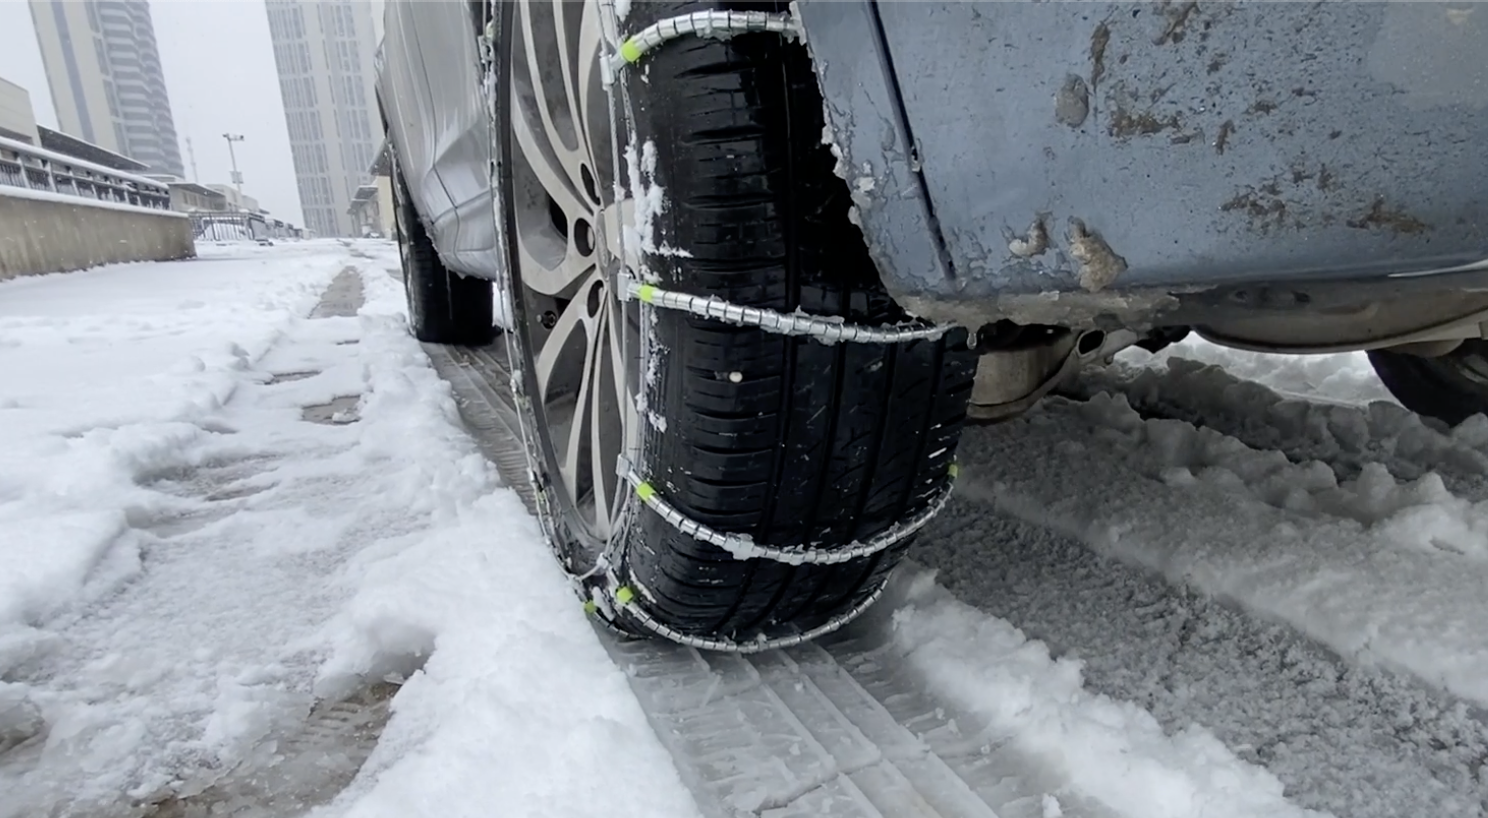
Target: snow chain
x,y
743,547
609,596
826,330
719,24
624,598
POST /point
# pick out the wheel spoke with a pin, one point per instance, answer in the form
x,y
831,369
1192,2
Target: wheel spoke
x,y
549,168
603,452
540,273
590,93
581,419
547,96
567,47
619,365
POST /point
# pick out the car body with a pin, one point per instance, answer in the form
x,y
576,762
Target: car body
x,y
429,90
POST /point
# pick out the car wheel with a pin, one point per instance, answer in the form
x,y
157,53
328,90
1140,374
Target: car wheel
x,y
444,307
1451,387
729,192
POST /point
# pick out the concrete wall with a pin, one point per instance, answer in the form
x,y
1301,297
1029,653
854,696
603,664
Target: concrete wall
x,y
46,236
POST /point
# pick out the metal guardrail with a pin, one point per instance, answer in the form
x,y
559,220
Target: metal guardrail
x,y
38,169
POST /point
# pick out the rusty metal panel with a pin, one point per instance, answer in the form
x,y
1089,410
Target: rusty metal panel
x,y
865,128
1098,147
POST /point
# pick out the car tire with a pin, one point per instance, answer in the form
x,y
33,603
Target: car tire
x,y
1451,387
444,307
783,439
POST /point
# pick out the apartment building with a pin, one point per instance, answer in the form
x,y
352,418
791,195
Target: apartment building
x,y
324,52
103,70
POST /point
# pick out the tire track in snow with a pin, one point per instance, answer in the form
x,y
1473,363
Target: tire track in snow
x,y
307,765
787,734
839,728
1051,499
833,730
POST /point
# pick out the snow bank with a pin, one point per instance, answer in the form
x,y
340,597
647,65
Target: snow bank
x,y
1348,436
511,706
1419,513
1112,751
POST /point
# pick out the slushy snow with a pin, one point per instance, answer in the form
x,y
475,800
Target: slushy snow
x,y
1110,751
199,566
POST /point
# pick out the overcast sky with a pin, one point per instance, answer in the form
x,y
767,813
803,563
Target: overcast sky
x,y
219,72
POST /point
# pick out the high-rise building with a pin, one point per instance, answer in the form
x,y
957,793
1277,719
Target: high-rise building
x,y
104,73
324,50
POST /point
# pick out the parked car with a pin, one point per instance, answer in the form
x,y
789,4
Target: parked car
x,y
762,260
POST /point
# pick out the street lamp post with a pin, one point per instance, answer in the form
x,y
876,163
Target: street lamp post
x,y
237,178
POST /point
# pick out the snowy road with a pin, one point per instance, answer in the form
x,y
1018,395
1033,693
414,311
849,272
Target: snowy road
x,y
257,561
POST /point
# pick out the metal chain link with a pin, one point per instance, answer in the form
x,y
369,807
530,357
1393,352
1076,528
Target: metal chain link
x,y
623,597
826,330
702,24
743,547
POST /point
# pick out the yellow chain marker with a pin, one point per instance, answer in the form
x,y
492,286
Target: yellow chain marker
x,y
953,470
624,595
646,293
590,607
630,50
645,491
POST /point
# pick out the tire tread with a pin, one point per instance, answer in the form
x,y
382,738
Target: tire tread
x,y
822,444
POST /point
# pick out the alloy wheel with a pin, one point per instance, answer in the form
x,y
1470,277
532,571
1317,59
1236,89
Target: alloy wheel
x,y
579,341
